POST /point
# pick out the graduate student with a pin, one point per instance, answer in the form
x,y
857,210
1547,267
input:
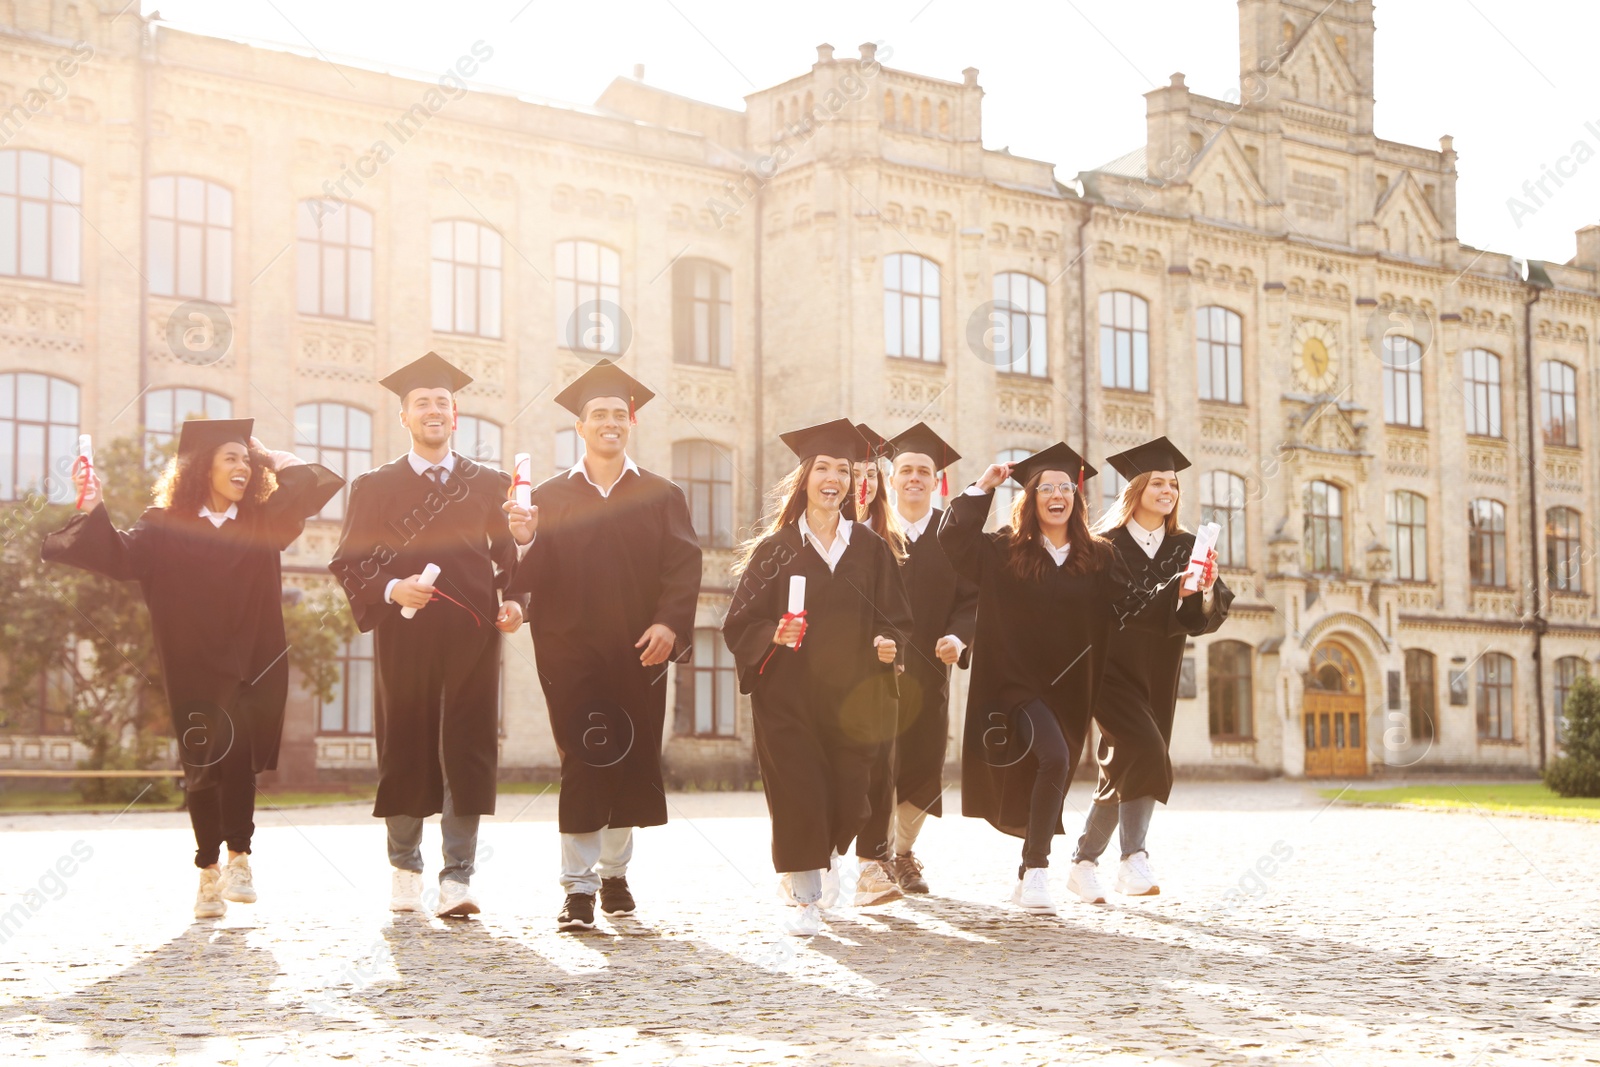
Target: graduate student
x,y
1049,593
1135,705
872,506
438,672
206,557
613,566
944,610
822,678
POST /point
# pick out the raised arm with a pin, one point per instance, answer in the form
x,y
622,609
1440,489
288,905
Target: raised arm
x,y
89,541
303,489
961,534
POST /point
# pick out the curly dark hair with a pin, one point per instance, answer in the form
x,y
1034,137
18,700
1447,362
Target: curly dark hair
x,y
185,484
1090,552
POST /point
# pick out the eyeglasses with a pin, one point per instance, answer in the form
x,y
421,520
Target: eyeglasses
x,y
1065,488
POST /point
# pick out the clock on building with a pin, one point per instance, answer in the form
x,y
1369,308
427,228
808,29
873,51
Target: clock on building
x,y
1315,349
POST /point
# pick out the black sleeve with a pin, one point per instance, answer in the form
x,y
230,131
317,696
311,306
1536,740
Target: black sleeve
x,y
757,605
891,604
302,491
89,541
361,560
1192,617
1151,606
961,535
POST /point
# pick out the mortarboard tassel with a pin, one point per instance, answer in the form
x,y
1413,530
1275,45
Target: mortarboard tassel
x,y
944,483
455,416
863,495
1080,481
632,418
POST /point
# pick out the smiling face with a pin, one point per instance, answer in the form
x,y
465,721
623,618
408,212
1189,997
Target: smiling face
x,y
230,471
604,427
869,471
1160,493
429,415
828,483
913,480
1054,507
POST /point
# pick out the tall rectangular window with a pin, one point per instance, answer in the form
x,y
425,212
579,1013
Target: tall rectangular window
x,y
40,220
337,436
1480,374
1496,712
705,474
1402,381
1022,344
1424,696
1486,542
1563,545
1558,403
1219,354
349,711
1324,528
38,436
1228,687
190,251
1222,498
911,327
708,688
1408,535
589,314
1124,341
702,313
467,282
333,260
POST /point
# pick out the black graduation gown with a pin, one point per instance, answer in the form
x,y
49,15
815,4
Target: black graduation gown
x,y
215,597
1140,694
822,711
601,571
438,674
1036,640
942,602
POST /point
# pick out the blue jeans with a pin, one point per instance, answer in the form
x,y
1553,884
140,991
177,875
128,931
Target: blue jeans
x,y
460,842
587,858
1134,815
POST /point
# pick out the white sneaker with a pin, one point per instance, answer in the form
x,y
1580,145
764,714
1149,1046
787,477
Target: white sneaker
x,y
803,920
1135,878
237,883
208,903
1085,882
405,890
830,882
876,885
1033,892
455,899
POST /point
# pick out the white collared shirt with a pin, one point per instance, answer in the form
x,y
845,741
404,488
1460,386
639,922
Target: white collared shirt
x,y
916,529
1057,554
627,465
421,465
1149,540
841,541
219,517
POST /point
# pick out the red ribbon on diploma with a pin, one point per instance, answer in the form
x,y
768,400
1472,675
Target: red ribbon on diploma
x,y
88,472
446,596
788,617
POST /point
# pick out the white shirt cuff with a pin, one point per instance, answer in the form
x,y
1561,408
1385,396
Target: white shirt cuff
x,y
973,490
961,646
522,550
389,589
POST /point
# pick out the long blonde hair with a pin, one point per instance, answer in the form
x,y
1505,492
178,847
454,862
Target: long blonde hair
x,y
1119,513
786,503
880,516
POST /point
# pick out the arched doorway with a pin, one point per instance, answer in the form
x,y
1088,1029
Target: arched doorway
x,y
1334,708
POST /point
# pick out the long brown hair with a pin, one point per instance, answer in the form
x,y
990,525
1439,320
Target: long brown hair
x,y
880,516
1118,514
184,486
1024,555
786,503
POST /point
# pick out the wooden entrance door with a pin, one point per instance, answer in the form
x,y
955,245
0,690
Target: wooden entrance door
x,y
1334,710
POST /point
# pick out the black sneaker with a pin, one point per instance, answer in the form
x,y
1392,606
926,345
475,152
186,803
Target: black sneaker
x,y
908,873
615,899
577,913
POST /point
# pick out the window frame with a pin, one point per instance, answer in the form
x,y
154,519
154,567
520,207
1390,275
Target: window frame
x,y
1563,546
358,649
1495,679
1408,530
55,211
930,308
1217,683
477,424
691,312
155,438
1138,354
348,252
1493,537
1332,536
58,439
336,458
1212,354
1414,684
1564,394
449,269
715,492
1010,487
1233,516
1484,421
1564,675
1402,383
1033,322
573,292
719,673
215,240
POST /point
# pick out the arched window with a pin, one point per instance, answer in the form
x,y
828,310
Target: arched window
x,y
911,306
1021,325
568,449
1219,354
1408,535
467,281
702,313
888,108
1124,341
165,410
1006,492
1222,499
1480,373
1486,542
1558,403
1568,670
1402,381
944,118
333,260
1324,528
705,474
1496,714
190,251
777,118
905,111
1563,547
38,436
927,115
1420,686
478,439
350,709
588,297
337,436
1228,689
41,231
808,115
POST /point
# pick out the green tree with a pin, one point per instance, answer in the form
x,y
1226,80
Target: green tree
x,y
94,634
1576,772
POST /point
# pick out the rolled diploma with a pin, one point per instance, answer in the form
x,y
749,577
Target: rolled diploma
x,y
797,594
1205,539
429,573
523,467
86,448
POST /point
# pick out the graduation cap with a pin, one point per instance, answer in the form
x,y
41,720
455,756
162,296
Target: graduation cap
x,y
921,438
1058,457
1157,455
604,379
879,446
839,439
201,436
432,371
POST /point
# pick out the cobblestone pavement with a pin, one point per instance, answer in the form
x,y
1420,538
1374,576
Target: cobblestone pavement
x,y
1287,932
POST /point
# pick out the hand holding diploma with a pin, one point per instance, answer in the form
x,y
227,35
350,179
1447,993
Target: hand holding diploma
x,y
413,593
84,479
792,628
1202,559
523,520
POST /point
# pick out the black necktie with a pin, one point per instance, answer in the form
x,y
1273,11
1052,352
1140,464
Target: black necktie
x,y
436,475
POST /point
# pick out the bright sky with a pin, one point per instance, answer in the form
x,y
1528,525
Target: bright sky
x,y
1512,81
